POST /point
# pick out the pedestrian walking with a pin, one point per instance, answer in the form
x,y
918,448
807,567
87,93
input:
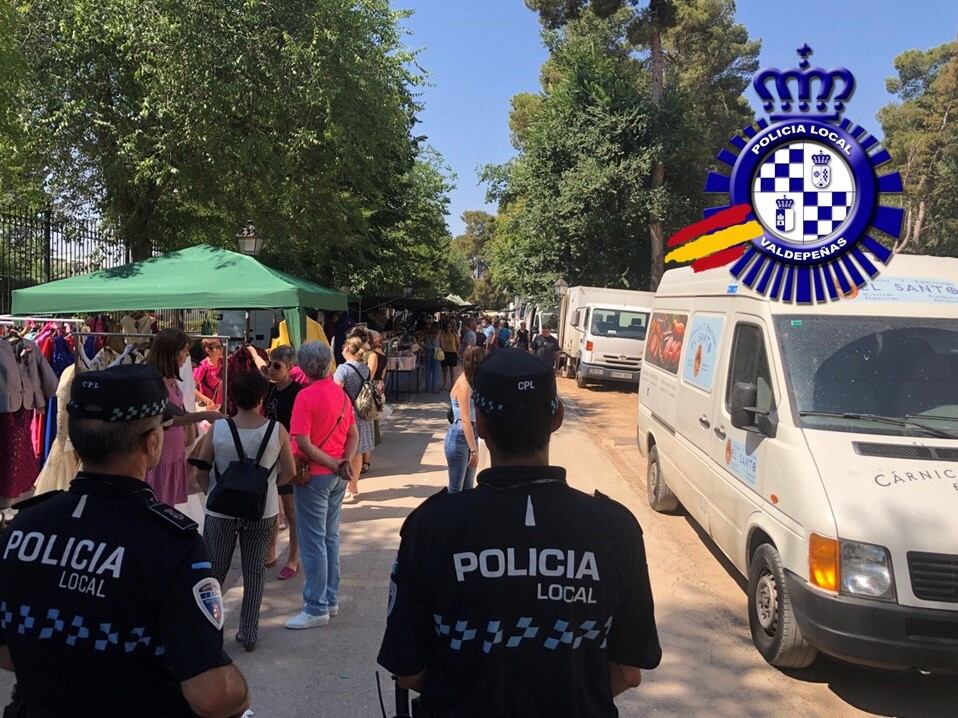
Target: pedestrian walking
x,y
378,368
111,606
279,406
431,346
461,444
546,347
521,341
169,350
506,600
449,341
325,433
351,376
504,335
248,435
207,374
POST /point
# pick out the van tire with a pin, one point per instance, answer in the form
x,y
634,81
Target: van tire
x,y
661,497
580,380
775,630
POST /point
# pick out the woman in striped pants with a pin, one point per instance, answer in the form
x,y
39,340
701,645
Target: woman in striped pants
x,y
221,531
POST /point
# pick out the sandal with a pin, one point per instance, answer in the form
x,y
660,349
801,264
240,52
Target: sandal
x,y
287,573
270,564
365,468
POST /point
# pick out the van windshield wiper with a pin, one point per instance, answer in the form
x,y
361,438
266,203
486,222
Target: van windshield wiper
x,y
916,418
878,419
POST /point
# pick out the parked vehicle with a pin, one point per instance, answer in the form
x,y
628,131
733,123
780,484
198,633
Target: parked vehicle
x,y
818,447
602,333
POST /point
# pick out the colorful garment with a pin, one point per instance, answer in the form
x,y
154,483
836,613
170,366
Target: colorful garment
x,y
169,479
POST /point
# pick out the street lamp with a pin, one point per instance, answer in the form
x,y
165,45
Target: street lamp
x,y
561,287
248,240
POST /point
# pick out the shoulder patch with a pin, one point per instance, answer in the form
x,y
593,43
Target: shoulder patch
x,y
35,500
172,516
209,598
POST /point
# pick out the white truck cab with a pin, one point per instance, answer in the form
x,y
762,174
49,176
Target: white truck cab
x,y
602,333
818,447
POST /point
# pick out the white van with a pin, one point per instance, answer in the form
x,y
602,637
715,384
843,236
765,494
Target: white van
x,y
818,447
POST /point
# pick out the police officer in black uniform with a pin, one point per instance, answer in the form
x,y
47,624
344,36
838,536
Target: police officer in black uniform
x,y
108,605
523,597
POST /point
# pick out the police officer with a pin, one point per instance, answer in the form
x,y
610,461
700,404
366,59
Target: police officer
x,y
523,597
108,605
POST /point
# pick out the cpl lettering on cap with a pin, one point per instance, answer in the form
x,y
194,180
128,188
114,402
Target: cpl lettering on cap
x,y
526,385
91,385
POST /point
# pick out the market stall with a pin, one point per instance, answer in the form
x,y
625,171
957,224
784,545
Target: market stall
x,y
200,277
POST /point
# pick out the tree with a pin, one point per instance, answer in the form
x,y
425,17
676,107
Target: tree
x,y
582,200
922,136
695,53
176,120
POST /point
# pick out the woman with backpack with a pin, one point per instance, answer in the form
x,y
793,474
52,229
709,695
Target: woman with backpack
x,y
352,376
251,450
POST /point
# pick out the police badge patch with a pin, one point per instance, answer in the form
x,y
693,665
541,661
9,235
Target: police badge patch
x,y
209,598
810,179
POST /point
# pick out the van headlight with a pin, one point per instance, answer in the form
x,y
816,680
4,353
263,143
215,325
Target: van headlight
x,y
866,571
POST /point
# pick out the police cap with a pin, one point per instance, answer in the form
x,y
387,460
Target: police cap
x,y
511,380
122,393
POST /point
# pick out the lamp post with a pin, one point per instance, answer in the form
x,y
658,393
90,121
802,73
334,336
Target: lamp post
x,y
561,288
248,240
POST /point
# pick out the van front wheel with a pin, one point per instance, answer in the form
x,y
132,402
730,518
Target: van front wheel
x,y
580,380
771,618
661,497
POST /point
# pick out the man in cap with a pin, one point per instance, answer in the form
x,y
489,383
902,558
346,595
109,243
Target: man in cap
x,y
108,605
524,596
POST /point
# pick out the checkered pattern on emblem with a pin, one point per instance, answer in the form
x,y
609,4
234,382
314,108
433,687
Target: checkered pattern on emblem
x,y
824,212
784,171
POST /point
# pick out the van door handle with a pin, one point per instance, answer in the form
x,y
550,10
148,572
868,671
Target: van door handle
x,y
719,432
704,421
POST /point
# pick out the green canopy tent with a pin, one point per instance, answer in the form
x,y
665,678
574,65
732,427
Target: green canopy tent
x,y
200,277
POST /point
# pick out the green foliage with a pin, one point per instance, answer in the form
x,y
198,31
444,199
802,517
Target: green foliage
x,y
179,119
922,136
579,200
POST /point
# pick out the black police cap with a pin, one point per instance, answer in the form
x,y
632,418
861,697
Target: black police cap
x,y
511,380
121,393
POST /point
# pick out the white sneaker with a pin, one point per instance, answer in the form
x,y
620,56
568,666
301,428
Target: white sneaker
x,y
333,611
304,620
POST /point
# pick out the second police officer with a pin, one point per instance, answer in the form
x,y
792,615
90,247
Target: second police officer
x,y
108,605
524,597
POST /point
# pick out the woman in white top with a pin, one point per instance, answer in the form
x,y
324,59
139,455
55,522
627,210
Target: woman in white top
x,y
220,531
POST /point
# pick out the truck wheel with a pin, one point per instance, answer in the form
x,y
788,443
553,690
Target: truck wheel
x,y
567,371
580,380
661,497
775,631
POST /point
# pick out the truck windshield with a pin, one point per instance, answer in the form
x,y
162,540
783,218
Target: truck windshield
x,y
619,323
876,375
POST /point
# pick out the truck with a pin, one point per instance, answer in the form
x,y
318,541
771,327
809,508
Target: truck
x,y
602,334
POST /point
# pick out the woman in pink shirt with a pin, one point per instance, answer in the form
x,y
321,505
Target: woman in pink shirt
x,y
207,374
323,428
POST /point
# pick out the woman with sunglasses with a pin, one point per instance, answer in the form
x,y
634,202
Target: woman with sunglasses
x,y
279,406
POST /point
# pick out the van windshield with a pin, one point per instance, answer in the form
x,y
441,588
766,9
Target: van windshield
x,y
619,323
877,375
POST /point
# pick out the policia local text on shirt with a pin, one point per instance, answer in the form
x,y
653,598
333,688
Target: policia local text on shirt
x,y
108,605
523,597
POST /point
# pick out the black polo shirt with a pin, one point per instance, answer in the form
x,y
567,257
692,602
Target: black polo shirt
x,y
515,596
106,602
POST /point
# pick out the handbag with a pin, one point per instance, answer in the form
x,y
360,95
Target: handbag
x,y
303,476
438,354
368,402
242,488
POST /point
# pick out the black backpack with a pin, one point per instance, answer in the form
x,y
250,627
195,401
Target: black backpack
x,y
241,490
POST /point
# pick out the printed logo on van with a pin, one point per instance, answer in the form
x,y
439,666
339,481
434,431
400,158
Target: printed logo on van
x,y
804,194
663,344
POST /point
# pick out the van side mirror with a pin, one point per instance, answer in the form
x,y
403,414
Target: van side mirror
x,y
745,415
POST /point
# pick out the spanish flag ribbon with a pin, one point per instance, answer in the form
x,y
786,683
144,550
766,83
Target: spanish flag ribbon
x,y
716,240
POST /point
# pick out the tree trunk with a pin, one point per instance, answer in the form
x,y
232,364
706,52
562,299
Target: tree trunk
x,y
656,231
135,231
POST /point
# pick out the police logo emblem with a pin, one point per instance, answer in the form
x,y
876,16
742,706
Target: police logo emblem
x,y
810,178
210,600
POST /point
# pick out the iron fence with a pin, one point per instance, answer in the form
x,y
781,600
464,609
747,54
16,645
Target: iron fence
x,y
41,246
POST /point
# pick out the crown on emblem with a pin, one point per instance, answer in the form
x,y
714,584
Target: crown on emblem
x,y
821,158
815,87
785,203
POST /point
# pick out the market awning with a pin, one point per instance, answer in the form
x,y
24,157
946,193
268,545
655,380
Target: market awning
x,y
200,277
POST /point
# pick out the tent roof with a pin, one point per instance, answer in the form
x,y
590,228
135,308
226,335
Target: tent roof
x,y
199,277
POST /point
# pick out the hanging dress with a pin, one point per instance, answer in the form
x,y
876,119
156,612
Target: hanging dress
x,y
62,463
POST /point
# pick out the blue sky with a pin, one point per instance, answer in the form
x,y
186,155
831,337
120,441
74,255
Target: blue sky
x,y
479,53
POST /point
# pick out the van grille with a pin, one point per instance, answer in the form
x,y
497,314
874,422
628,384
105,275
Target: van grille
x,y
904,451
617,361
934,576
